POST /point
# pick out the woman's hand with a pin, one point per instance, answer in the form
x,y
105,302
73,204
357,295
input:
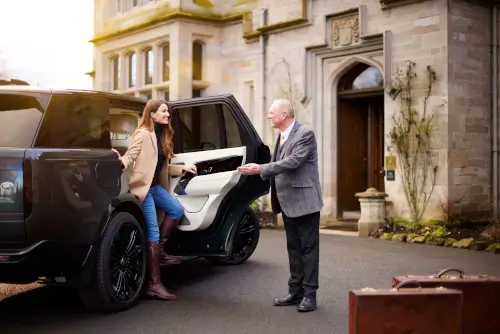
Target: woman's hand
x,y
119,158
117,153
190,168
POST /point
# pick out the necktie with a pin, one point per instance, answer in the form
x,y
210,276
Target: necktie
x,y
282,140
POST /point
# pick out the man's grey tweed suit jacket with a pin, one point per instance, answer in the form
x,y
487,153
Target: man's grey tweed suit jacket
x,y
294,176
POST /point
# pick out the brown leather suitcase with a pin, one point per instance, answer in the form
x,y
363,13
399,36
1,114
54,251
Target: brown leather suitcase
x,y
481,297
404,310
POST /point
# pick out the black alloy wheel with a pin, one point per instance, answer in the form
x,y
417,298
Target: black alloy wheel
x,y
119,273
126,262
245,240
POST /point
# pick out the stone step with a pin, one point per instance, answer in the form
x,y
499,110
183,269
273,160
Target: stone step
x,y
351,215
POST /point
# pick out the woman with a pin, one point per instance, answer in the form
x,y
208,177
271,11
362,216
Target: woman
x,y
150,150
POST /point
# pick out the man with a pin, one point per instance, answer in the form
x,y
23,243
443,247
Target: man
x,y
296,193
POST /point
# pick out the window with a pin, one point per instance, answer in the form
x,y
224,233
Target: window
x,y
207,127
369,78
116,68
119,6
135,3
196,93
232,129
132,70
123,121
149,68
360,77
147,95
19,119
166,62
75,121
166,95
250,99
197,61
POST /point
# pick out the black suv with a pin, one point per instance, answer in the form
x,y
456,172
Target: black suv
x,y
65,207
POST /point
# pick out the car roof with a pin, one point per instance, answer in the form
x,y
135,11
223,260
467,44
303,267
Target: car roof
x,y
34,89
37,89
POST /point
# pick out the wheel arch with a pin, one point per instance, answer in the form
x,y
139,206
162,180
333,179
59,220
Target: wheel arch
x,y
123,203
234,227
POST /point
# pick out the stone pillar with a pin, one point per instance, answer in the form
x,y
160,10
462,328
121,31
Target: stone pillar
x,y
372,203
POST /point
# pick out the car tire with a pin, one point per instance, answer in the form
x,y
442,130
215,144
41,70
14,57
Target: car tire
x,y
245,241
121,258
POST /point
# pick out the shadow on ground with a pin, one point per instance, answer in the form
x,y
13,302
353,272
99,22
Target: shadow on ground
x,y
47,303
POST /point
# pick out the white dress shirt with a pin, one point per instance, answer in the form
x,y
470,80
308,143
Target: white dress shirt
x,y
286,133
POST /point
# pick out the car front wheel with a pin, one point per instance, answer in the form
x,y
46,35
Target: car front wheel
x,y
120,268
245,241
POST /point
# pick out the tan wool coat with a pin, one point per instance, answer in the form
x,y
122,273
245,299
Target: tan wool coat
x,y
142,157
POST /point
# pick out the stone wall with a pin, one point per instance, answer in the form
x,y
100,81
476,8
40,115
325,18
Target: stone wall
x,y
419,34
469,127
451,35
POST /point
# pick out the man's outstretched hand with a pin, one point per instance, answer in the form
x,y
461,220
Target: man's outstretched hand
x,y
249,169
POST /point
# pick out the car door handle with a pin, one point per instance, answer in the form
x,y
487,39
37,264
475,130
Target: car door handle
x,y
206,171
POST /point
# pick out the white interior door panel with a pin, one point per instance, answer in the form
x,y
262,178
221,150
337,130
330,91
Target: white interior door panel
x,y
212,184
192,204
194,157
204,192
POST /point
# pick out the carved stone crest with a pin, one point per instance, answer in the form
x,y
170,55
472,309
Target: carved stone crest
x,y
345,31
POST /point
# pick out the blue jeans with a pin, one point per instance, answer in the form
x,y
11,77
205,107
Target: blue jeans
x,y
158,197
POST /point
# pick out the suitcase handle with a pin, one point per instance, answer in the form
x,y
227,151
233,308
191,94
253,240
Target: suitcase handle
x,y
407,282
444,271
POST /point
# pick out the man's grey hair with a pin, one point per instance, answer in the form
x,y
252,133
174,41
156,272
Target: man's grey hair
x,y
284,104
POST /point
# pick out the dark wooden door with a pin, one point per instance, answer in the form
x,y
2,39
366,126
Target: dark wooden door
x,y
375,109
352,158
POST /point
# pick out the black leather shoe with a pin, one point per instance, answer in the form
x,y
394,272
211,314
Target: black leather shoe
x,y
307,305
289,299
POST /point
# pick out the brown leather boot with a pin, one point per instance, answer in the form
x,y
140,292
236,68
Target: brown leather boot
x,y
167,227
156,287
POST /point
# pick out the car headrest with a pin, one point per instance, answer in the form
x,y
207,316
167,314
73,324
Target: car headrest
x,y
123,124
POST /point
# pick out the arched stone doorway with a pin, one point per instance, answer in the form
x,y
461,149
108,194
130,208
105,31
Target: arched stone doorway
x,y
360,136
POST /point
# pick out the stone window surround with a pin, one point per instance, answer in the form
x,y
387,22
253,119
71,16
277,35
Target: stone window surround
x,y
158,87
324,66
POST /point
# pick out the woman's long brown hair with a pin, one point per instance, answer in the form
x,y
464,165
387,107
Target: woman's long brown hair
x,y
148,123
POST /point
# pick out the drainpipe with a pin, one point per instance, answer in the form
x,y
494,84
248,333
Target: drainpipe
x,y
261,119
495,108
262,43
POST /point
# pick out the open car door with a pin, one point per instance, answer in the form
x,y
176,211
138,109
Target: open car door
x,y
215,134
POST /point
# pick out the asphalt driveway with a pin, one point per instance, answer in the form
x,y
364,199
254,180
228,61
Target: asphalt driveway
x,y
239,299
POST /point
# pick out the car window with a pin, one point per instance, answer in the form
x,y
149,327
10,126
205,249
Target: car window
x,y
232,129
123,122
20,116
75,121
207,127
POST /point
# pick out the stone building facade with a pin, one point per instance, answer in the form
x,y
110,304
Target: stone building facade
x,y
333,59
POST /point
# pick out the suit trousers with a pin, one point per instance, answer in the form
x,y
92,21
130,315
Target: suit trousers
x,y
302,237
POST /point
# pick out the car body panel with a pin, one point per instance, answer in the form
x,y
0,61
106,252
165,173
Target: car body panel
x,y
72,190
209,231
11,195
70,193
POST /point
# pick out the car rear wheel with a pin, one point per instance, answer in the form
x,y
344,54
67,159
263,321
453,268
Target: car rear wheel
x,y
245,241
120,269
